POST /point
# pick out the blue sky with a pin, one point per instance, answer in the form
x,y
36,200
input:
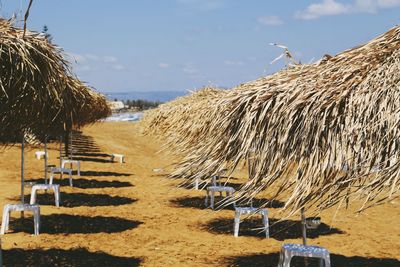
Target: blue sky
x,y
149,45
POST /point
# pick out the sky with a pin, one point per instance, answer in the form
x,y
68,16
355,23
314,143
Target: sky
x,y
177,45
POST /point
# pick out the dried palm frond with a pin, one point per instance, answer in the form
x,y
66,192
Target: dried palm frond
x,y
37,93
336,120
180,118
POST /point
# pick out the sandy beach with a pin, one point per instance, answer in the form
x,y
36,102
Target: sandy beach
x,y
128,215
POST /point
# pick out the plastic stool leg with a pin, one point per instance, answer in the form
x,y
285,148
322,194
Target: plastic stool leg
x,y
51,177
281,259
8,214
212,199
36,220
287,258
237,223
57,195
327,261
4,221
266,223
70,179
33,195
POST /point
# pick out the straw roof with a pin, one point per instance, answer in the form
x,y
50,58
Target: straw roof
x,y
82,105
336,120
32,71
177,121
37,93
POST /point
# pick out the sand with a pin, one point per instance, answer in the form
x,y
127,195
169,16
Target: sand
x,y
129,215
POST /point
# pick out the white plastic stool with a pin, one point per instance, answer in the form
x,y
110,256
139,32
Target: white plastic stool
x,y
54,187
70,161
40,154
20,207
54,170
292,250
120,156
211,190
249,210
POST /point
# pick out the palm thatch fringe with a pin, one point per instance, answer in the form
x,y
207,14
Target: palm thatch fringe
x,y
335,121
37,92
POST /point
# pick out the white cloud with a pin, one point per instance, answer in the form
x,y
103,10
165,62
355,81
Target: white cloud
x,y
374,5
326,8
369,6
163,65
109,59
91,62
270,20
333,7
233,63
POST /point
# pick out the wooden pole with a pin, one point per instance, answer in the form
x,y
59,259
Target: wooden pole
x,y
45,160
303,216
66,144
250,172
70,146
1,255
22,170
303,227
22,173
26,17
61,149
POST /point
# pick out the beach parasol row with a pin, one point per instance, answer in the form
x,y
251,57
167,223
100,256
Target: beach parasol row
x,y
39,96
320,134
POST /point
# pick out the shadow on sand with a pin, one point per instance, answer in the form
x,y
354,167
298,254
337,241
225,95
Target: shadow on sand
x,y
199,203
84,148
279,230
93,159
271,260
74,224
58,257
72,200
101,173
87,183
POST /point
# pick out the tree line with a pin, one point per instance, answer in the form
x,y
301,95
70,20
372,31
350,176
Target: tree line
x,y
141,104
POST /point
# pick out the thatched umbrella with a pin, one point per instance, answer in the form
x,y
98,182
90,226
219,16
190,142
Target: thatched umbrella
x,y
31,81
180,123
37,95
341,113
30,85
179,118
81,106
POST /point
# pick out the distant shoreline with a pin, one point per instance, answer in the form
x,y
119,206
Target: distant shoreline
x,y
162,96
125,116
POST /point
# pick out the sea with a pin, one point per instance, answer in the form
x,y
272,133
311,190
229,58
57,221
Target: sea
x,y
125,116
161,96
